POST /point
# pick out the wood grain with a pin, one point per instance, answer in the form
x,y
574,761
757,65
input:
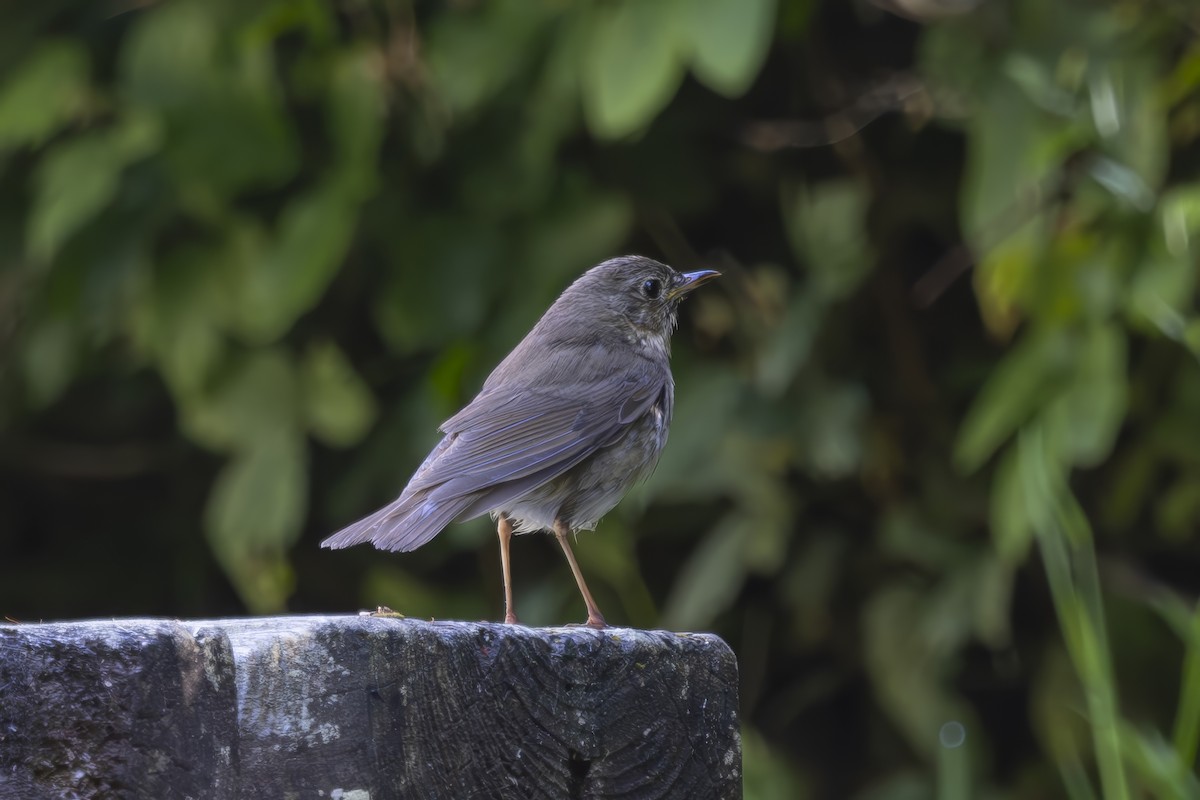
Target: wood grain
x,y
362,707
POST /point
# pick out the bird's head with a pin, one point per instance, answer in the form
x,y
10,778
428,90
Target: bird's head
x,y
643,292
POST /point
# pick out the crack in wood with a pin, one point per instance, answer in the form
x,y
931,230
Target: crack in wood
x,y
579,767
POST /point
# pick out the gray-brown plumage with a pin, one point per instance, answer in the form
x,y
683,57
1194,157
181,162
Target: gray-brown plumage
x,y
574,417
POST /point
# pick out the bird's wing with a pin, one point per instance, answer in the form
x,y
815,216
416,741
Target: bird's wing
x,y
504,443
506,435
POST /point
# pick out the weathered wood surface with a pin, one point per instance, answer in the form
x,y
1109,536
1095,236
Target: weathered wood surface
x,y
364,708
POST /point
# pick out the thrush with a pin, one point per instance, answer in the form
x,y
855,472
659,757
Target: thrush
x,y
570,420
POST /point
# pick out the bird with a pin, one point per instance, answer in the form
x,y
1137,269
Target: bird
x,y
573,417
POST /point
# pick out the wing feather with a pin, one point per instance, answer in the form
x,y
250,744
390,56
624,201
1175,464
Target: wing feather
x,y
536,429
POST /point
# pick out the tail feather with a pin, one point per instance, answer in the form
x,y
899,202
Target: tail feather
x,y
414,518
405,524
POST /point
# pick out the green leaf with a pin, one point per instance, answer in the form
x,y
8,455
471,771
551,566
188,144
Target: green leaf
x,y
729,41
710,578
50,359
1178,509
812,580
1187,716
826,225
831,430
903,640
552,111
1132,480
1191,337
790,344
765,543
990,599
314,234
1084,421
1030,374
1161,294
1054,707
770,775
165,53
1038,83
1001,135
338,405
254,514
1179,214
579,231
950,55
357,111
908,534
472,56
632,65
257,398
423,305
1127,112
690,467
175,321
257,502
1156,763
1123,183
1005,277
1012,532
1014,154
218,93
78,178
43,93
950,611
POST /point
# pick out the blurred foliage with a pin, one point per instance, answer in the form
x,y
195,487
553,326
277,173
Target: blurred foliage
x,y
935,469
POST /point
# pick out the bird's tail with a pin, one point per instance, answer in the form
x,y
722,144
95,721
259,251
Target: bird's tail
x,y
406,524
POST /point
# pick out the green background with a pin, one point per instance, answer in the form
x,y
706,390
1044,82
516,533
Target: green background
x,y
935,466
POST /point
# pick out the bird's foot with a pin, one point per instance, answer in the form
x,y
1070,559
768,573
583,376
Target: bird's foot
x,y
511,619
597,622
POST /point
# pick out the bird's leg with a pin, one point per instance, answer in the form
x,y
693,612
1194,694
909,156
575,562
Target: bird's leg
x,y
504,531
595,619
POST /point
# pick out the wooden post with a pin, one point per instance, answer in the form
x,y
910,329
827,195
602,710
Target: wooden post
x,y
364,708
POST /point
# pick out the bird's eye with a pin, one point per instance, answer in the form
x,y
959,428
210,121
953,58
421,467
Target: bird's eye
x,y
652,288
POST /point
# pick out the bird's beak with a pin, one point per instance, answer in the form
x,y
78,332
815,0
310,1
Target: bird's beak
x,y
689,281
